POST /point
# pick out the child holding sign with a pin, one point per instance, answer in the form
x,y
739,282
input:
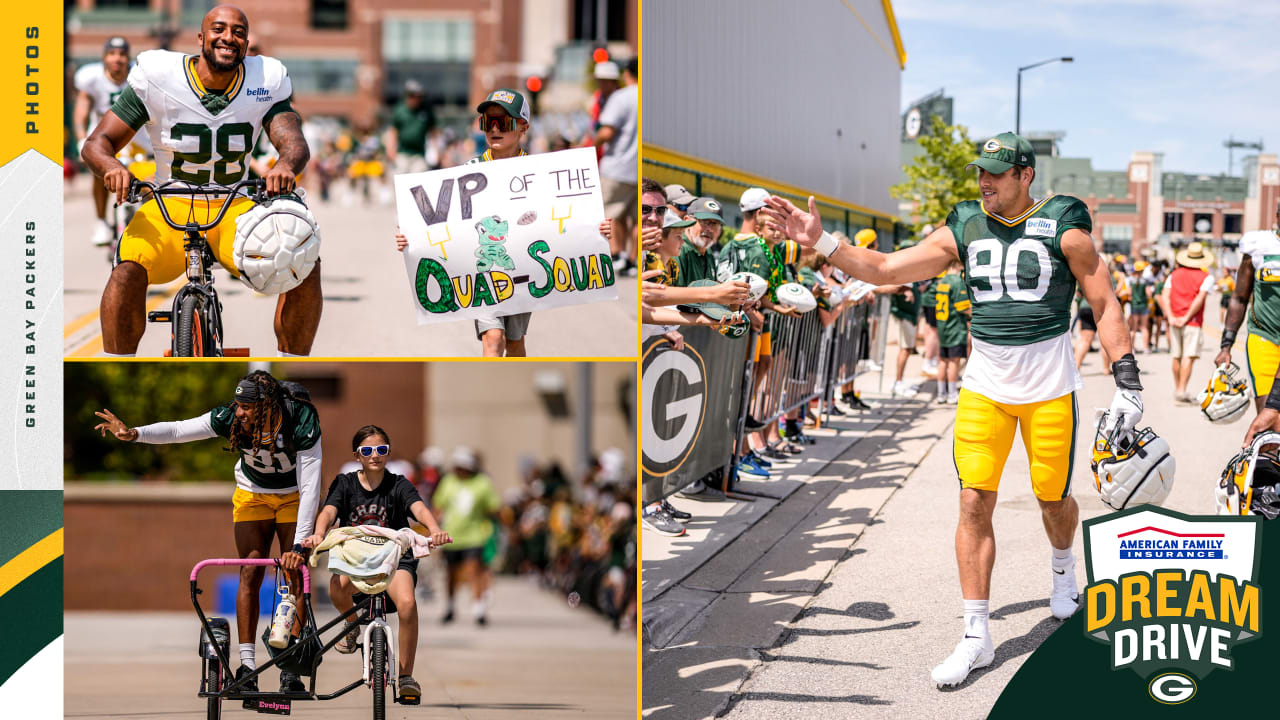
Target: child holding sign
x,y
504,118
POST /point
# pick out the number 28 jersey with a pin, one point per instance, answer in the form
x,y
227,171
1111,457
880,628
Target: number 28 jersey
x,y
274,468
1019,281
199,137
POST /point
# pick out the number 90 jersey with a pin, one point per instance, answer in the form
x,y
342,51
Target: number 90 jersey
x,y
272,469
1019,281
192,143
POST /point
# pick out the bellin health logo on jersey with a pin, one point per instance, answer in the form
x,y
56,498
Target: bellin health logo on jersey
x,y
1172,594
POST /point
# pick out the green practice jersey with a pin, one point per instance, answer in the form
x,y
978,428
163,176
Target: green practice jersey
x,y
1018,278
693,265
901,307
950,302
750,253
273,467
1263,249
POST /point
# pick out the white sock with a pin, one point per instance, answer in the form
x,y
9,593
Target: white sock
x,y
1062,559
107,354
943,386
481,606
246,656
281,353
975,619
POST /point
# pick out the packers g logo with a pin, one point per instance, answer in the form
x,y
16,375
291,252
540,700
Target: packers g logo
x,y
992,145
674,406
713,205
1172,688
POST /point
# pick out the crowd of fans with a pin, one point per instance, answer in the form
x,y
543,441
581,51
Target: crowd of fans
x,y
574,538
699,272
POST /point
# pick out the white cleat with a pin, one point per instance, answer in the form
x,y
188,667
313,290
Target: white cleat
x,y
102,234
972,653
1064,600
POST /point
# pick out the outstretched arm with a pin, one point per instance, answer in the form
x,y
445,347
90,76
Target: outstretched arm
x,y
920,262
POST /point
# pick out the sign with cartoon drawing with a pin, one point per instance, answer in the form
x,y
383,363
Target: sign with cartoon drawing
x,y
505,236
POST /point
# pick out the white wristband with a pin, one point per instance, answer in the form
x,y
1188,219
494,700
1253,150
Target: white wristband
x,y
827,244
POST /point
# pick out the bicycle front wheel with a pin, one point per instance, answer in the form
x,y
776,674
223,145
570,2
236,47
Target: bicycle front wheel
x,y
378,671
189,328
213,684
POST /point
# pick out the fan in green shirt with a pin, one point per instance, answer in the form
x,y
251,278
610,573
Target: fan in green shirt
x,y
466,504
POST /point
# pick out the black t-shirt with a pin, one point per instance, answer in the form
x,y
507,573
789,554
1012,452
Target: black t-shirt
x,y
387,505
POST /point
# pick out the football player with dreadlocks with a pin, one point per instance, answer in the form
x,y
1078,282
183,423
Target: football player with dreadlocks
x,y
276,435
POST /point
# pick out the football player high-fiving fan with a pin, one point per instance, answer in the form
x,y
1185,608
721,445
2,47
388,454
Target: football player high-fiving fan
x,y
1022,259
1257,281
203,114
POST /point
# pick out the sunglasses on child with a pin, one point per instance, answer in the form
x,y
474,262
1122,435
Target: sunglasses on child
x,y
505,123
369,450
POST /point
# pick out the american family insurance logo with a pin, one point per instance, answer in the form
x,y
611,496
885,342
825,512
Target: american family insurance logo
x,y
1172,594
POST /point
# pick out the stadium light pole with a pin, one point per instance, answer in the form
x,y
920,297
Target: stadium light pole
x,y
1017,122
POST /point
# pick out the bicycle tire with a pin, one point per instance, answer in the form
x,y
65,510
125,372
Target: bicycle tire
x,y
213,684
188,328
378,671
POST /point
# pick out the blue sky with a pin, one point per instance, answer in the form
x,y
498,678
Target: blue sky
x,y
1171,76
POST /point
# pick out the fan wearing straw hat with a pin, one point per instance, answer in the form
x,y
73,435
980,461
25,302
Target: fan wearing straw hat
x,y
1183,301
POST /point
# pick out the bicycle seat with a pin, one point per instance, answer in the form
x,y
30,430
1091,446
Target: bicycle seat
x,y
365,603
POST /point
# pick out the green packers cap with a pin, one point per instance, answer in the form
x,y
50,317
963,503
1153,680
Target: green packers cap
x,y
509,100
715,311
706,208
1003,152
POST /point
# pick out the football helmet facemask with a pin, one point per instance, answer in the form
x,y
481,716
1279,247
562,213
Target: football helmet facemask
x,y
1131,468
1226,398
1250,485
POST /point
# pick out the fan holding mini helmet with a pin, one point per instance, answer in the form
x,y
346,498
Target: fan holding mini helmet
x,y
1226,398
203,114
1250,484
1130,468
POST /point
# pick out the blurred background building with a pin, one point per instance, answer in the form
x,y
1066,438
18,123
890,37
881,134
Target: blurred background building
x,y
1143,209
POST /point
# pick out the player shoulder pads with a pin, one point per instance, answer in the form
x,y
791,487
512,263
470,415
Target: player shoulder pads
x,y
277,245
1250,484
1226,398
1131,468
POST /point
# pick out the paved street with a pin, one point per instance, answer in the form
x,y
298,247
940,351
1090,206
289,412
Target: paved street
x,y
368,310
836,594
538,658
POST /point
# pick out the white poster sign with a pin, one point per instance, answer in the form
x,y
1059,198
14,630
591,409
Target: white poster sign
x,y
504,237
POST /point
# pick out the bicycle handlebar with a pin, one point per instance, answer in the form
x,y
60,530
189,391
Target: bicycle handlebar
x,y
306,571
135,189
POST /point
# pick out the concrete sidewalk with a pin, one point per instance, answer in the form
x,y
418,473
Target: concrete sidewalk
x,y
844,592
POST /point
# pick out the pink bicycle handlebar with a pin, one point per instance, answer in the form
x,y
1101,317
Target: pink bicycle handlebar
x,y
306,571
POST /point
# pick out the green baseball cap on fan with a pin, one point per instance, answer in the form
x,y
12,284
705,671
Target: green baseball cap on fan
x,y
509,100
1003,152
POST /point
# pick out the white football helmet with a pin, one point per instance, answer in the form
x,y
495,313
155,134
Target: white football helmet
x,y
1131,468
1226,398
277,244
1250,485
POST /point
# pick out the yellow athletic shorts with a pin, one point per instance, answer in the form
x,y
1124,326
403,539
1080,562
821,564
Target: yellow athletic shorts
x,y
984,434
151,243
248,506
1263,358
764,345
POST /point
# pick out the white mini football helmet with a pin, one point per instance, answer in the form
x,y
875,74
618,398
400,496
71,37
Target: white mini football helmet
x,y
1131,468
277,244
1250,485
1226,398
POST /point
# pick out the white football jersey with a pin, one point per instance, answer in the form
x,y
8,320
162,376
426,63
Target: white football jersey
x,y
1263,249
191,143
92,80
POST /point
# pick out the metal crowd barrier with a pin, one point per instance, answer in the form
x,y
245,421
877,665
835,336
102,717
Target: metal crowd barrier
x,y
810,361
